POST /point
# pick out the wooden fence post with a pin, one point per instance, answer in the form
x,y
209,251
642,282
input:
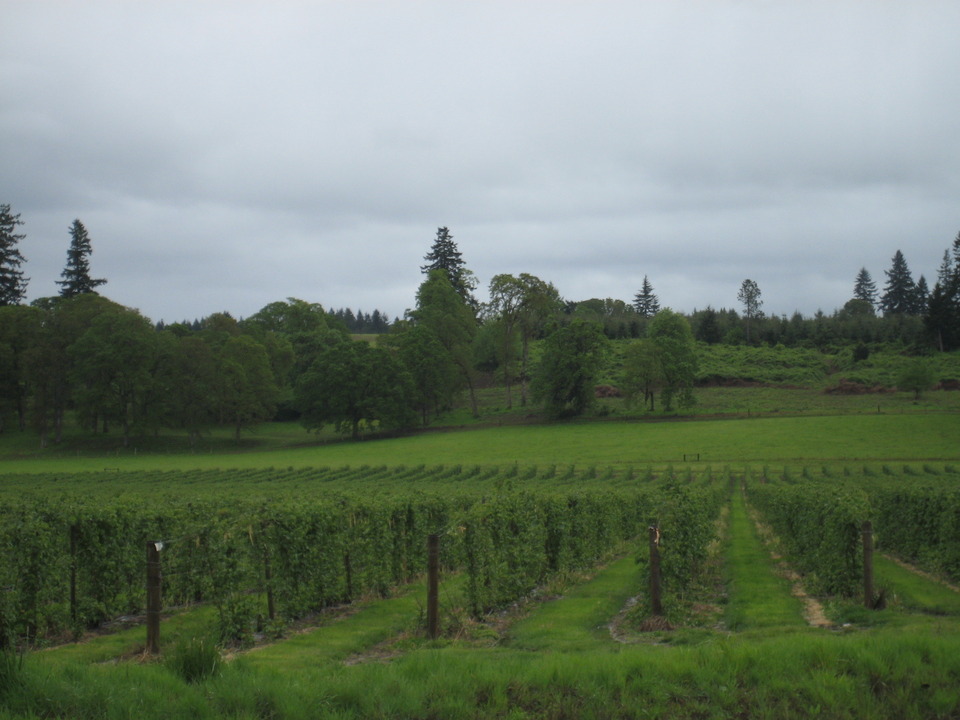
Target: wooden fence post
x,y
348,573
433,584
74,536
656,602
268,578
868,600
153,597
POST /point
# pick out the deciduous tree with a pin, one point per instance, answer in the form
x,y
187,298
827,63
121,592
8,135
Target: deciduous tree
x,y
506,300
565,380
19,325
641,375
352,385
433,373
916,377
749,295
246,391
185,384
676,352
49,362
112,362
445,313
539,304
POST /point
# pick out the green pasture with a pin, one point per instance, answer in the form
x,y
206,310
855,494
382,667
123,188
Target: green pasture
x,y
894,438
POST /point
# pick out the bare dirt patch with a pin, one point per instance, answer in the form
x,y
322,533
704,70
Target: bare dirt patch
x,y
849,387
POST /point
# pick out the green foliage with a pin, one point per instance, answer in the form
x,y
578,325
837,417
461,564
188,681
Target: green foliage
x,y
676,357
573,356
309,552
237,620
352,385
111,369
819,523
514,542
779,365
916,377
445,257
919,520
246,389
451,320
686,515
641,373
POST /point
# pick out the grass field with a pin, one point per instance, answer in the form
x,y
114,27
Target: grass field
x,y
553,656
927,436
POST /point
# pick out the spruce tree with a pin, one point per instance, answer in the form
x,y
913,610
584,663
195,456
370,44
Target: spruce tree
x,y
921,296
900,293
942,317
76,275
864,288
945,271
646,303
444,255
13,285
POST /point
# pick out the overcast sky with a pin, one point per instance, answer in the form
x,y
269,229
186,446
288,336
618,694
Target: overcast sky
x,y
225,155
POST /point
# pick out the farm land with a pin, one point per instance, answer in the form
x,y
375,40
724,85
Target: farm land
x,y
293,564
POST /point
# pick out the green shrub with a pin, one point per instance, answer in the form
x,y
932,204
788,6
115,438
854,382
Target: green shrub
x,y
195,660
238,616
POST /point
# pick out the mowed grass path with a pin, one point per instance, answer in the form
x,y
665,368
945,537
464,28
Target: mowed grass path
x,y
617,443
915,592
758,598
579,620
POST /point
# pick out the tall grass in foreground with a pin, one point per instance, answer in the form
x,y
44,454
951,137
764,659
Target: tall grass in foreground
x,y
802,674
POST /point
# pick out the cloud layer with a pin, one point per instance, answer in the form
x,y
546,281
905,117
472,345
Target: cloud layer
x,y
226,155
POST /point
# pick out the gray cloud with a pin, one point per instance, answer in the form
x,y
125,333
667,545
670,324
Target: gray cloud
x,y
226,155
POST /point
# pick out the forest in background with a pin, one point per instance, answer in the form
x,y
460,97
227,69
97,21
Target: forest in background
x,y
113,370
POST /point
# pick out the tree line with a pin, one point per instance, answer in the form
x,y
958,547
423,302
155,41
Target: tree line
x,y
108,365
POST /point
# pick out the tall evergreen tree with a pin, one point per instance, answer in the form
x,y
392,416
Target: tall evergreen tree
x,y
945,271
921,296
899,294
13,285
646,303
444,255
76,275
749,295
942,317
864,288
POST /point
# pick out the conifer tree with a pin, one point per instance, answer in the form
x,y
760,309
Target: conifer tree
x,y
646,303
864,288
444,255
921,296
942,310
900,294
13,285
76,275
